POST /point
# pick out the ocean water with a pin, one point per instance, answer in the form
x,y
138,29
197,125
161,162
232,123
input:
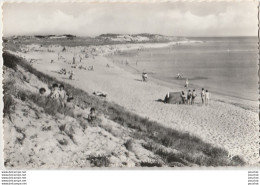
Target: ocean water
x,y
227,66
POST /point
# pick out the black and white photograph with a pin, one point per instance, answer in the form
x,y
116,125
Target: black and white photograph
x,y
121,85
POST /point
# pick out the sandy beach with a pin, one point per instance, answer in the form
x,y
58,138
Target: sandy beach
x,y
226,122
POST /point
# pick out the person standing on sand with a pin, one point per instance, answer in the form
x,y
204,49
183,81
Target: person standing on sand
x,y
207,97
73,60
193,96
183,97
202,96
187,83
189,94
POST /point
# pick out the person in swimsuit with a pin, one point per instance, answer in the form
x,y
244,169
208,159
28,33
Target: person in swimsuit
x,y
187,83
193,96
189,95
207,97
202,96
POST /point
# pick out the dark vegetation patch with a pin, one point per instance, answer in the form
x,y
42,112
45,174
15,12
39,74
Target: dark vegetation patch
x,y
150,164
99,161
44,128
8,105
8,61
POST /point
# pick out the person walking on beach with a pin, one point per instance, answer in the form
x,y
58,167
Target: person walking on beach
x,y
187,83
193,96
207,97
203,96
178,76
189,94
144,76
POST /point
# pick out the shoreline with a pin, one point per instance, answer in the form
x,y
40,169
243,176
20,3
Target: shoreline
x,y
229,93
221,97
108,51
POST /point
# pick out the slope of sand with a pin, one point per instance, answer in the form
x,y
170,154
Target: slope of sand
x,y
34,139
222,123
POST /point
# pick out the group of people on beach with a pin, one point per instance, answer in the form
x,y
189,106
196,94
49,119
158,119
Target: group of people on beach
x,y
63,71
57,93
191,95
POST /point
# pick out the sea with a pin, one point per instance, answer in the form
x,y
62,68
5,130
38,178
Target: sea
x,y
222,65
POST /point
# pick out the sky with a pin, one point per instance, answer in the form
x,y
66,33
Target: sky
x,y
196,19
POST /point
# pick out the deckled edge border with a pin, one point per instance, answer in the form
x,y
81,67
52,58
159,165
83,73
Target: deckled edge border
x,y
1,95
118,1
258,18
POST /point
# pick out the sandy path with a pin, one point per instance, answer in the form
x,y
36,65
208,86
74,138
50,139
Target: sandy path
x,y
220,123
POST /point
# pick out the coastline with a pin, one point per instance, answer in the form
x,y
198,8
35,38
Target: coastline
x,y
108,51
221,124
217,96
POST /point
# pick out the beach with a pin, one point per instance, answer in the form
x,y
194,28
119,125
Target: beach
x,y
227,122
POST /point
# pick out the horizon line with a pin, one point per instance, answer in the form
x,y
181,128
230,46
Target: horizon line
x,y
128,34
